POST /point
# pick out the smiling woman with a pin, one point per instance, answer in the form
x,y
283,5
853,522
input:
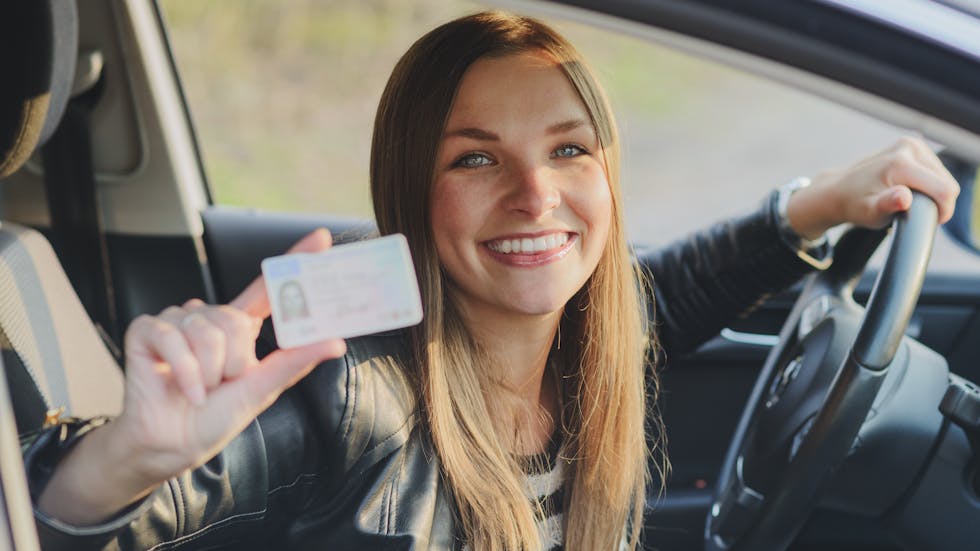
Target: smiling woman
x,y
527,150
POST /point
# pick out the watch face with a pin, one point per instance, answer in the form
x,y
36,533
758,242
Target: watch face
x,y
785,192
814,252
782,204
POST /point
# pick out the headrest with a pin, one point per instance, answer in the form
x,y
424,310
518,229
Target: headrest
x,y
38,51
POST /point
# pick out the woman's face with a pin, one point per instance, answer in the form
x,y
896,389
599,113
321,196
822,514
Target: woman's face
x,y
291,299
521,205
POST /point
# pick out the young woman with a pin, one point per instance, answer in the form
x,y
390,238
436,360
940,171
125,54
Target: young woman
x,y
515,416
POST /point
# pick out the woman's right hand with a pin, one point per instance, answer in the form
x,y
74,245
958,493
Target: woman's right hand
x,y
192,384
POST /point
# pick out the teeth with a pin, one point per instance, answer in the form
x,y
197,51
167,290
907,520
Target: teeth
x,y
527,245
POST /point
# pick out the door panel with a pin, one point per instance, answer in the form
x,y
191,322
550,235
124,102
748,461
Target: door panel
x,y
151,272
236,241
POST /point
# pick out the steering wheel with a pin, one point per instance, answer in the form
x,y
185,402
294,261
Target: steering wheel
x,y
817,386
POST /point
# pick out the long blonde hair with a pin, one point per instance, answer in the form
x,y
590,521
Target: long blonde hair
x,y
603,332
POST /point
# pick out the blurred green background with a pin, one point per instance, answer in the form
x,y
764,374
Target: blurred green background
x,y
283,92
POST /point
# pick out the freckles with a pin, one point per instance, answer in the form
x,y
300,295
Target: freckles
x,y
450,207
593,202
439,210
455,211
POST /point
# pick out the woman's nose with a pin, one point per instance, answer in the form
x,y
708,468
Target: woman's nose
x,y
535,191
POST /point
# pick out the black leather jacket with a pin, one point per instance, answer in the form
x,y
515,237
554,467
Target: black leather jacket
x,y
341,461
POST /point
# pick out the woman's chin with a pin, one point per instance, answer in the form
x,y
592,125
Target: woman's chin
x,y
539,306
515,302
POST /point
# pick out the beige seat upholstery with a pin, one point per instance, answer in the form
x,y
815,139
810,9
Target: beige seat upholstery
x,y
54,353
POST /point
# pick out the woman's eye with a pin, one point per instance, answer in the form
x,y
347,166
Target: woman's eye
x,y
473,160
568,150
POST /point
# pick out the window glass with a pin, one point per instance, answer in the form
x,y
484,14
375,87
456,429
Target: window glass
x,y
283,94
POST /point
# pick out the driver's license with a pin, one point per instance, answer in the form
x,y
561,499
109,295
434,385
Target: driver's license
x,y
348,290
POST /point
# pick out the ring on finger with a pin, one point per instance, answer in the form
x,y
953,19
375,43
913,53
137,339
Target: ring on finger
x,y
192,318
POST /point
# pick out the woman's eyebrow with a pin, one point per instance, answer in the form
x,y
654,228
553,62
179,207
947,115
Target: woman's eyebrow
x,y
486,135
566,126
474,133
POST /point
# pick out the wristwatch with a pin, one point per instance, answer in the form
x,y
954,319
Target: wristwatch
x,y
814,252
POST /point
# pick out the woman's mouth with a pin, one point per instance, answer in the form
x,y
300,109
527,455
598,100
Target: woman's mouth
x,y
528,245
531,250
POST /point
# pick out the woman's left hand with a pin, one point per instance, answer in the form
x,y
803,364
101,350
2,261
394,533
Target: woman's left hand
x,y
871,191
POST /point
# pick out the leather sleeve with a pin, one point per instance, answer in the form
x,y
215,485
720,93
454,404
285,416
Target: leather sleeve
x,y
290,473
705,281
239,497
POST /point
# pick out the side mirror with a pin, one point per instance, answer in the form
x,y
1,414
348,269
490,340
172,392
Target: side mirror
x,y
965,225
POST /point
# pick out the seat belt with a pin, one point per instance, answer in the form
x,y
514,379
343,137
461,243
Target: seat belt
x,y
76,219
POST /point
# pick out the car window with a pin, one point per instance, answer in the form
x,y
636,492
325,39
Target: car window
x,y
284,103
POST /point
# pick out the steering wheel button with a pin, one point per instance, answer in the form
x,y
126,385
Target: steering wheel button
x,y
961,405
813,314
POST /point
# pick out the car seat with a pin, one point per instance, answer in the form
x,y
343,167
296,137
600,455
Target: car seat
x,y
55,361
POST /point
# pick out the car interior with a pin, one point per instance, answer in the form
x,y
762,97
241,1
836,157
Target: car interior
x,y
106,214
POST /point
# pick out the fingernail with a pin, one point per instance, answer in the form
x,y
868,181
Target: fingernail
x,y
197,395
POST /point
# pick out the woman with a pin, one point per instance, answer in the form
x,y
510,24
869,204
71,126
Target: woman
x,y
292,300
514,416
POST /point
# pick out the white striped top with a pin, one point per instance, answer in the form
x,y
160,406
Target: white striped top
x,y
548,489
545,484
